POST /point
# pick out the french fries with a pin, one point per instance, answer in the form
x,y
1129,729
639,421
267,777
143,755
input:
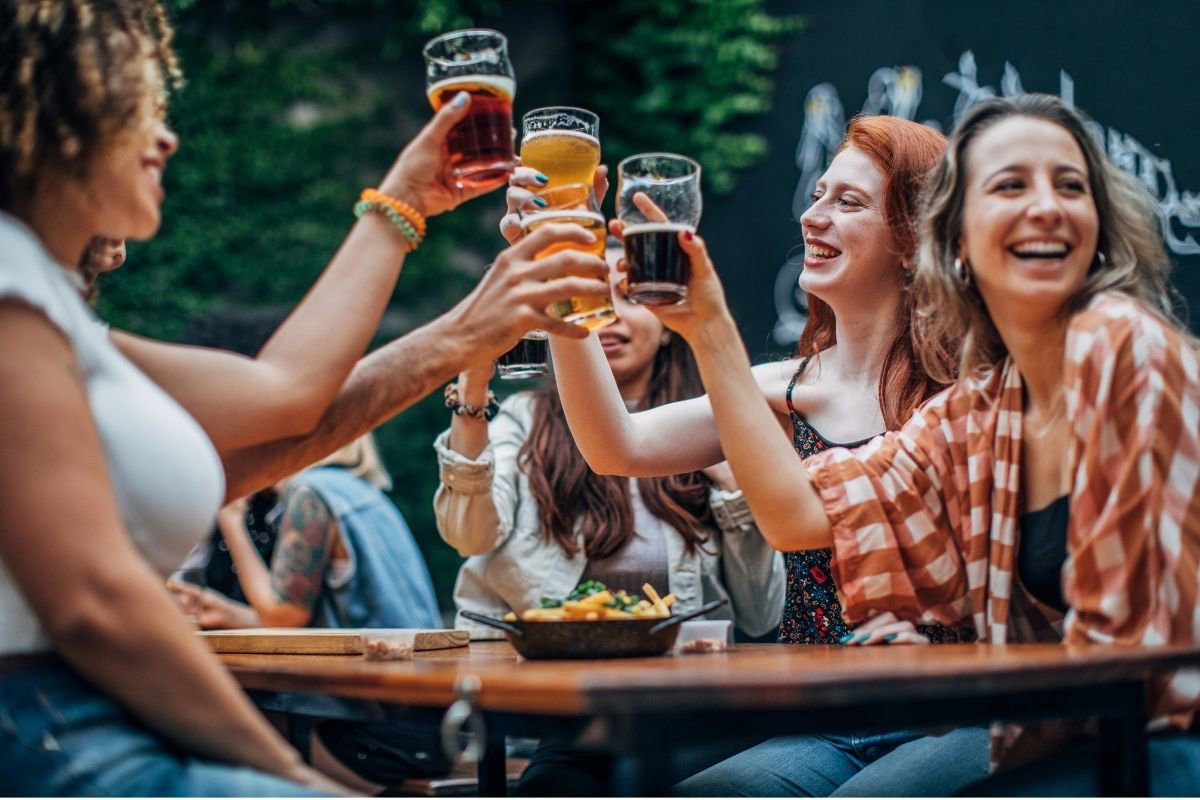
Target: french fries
x,y
604,604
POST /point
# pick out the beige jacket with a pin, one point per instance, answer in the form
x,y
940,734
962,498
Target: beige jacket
x,y
486,512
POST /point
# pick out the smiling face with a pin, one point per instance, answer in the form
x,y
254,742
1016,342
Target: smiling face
x,y
1030,225
848,247
124,181
631,343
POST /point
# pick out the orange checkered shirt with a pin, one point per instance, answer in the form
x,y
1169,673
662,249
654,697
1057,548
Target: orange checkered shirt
x,y
925,519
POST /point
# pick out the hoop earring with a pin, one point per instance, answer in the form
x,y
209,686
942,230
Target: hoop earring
x,y
962,271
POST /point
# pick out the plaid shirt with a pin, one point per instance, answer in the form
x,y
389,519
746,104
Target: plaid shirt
x,y
925,519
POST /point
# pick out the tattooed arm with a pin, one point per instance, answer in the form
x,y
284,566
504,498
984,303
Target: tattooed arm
x,y
285,595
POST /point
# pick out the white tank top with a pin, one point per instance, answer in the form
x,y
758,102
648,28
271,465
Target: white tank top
x,y
164,470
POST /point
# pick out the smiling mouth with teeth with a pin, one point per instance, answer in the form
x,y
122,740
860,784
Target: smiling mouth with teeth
x,y
1040,249
821,252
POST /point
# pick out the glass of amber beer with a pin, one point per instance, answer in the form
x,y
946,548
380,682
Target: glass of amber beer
x,y
562,143
573,203
476,62
658,269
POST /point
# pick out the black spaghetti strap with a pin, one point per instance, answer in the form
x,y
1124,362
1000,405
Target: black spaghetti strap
x,y
792,383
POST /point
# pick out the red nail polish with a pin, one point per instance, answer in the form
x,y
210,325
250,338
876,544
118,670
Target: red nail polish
x,y
689,235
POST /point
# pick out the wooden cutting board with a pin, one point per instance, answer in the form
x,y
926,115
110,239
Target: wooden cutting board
x,y
329,641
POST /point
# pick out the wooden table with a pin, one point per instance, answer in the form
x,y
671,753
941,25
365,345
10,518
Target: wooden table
x,y
642,708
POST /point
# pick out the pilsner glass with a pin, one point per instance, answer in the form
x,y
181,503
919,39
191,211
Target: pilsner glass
x,y
573,203
562,143
526,359
658,269
476,62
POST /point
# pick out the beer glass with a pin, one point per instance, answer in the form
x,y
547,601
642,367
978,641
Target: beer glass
x,y
658,269
526,359
573,203
476,62
562,143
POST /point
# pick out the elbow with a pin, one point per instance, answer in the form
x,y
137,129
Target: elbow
x,y
97,614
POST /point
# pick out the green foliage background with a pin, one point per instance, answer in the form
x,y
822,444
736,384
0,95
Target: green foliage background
x,y
292,106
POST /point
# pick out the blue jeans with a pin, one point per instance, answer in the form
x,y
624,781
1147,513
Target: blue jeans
x,y
883,765
1174,772
59,735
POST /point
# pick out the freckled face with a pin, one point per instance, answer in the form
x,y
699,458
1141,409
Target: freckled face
x,y
848,250
1030,225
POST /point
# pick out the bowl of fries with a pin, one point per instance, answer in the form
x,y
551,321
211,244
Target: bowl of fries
x,y
595,622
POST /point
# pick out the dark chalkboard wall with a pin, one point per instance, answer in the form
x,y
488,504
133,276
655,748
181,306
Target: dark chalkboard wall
x,y
1133,67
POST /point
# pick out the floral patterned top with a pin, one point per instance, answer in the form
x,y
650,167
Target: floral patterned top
x,y
812,613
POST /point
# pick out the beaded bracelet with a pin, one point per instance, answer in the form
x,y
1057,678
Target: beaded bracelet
x,y
400,222
486,412
409,221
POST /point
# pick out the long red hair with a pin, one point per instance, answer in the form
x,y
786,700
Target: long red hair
x,y
905,152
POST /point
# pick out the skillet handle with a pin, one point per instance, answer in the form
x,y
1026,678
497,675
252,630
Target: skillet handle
x,y
699,612
493,623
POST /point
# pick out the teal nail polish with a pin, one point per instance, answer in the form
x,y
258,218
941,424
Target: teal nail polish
x,y
891,637
460,99
862,637
540,178
538,201
846,639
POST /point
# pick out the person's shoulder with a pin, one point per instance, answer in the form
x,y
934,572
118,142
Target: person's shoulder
x,y
1113,324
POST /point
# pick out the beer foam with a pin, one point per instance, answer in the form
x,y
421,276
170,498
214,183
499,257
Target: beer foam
x,y
502,83
658,227
552,216
529,137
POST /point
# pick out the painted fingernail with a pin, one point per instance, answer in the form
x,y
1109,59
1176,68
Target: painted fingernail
x,y
460,100
689,235
540,202
846,639
540,178
891,637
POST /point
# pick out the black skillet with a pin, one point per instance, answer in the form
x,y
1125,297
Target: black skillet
x,y
610,638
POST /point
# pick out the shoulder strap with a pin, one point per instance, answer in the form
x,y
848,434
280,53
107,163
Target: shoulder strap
x,y
792,383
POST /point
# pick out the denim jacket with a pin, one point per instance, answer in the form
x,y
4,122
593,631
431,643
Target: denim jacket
x,y
486,512
387,585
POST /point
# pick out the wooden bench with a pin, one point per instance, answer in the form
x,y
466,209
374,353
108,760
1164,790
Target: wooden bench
x,y
461,782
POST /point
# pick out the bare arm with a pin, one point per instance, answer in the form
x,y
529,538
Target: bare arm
x,y
669,439
243,401
285,594
787,508
105,610
510,299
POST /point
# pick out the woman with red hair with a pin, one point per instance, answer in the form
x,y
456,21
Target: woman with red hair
x,y
855,376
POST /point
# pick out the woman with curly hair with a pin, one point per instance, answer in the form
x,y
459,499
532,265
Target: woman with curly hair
x,y
111,448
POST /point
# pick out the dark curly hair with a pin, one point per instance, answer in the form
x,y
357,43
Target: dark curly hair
x,y
73,75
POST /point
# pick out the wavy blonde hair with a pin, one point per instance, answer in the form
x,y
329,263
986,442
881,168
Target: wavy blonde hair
x,y
951,316
72,79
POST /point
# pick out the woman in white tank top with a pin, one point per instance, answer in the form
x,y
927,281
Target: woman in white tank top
x,y
112,447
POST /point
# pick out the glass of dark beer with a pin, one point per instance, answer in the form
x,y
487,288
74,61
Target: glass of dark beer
x,y
476,62
527,359
658,267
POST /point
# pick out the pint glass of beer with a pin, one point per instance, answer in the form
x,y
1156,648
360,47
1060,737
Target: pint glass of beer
x,y
658,267
526,359
573,203
476,62
562,143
